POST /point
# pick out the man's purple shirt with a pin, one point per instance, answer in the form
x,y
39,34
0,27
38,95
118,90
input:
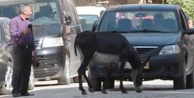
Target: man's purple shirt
x,y
17,26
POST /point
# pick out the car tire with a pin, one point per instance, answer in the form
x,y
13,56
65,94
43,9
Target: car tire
x,y
7,87
190,80
96,83
111,83
65,73
180,82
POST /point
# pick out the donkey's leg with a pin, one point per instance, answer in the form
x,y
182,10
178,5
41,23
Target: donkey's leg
x,y
89,83
121,76
81,71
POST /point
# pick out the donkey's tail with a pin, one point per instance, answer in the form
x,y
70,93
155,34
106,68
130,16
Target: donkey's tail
x,y
75,43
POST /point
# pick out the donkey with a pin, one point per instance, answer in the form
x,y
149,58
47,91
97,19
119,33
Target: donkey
x,y
108,47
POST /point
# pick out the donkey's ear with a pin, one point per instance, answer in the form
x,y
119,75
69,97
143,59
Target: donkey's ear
x,y
145,62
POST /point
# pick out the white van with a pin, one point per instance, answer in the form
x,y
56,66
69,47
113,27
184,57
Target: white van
x,y
88,15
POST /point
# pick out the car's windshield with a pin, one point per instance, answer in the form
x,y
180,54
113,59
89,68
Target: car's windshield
x,y
43,12
87,21
139,21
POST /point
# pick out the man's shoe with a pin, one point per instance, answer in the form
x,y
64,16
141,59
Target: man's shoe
x,y
26,94
16,95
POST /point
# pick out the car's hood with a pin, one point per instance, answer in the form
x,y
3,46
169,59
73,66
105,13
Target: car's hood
x,y
152,39
40,31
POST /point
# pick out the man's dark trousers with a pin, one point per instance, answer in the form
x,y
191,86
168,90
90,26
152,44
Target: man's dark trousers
x,y
22,60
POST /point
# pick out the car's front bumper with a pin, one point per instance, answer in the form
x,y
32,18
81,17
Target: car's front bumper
x,y
165,66
160,66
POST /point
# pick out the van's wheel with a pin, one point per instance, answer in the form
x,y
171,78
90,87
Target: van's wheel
x,y
180,82
65,73
190,80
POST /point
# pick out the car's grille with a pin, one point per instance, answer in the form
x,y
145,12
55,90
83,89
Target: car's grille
x,y
144,49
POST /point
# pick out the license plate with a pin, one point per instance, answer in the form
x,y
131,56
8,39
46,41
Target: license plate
x,y
128,66
147,66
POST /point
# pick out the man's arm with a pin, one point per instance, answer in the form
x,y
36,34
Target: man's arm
x,y
14,30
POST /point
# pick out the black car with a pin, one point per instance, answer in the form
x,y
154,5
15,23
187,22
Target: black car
x,y
157,30
55,24
6,61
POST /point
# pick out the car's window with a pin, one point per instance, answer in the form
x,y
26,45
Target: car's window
x,y
184,20
0,35
137,21
43,12
46,14
87,21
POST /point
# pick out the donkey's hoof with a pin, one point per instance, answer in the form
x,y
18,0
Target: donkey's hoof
x,y
91,90
139,89
84,93
103,91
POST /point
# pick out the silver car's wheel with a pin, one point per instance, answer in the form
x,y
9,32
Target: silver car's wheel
x,y
7,87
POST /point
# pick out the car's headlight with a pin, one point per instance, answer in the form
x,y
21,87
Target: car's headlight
x,y
52,42
171,49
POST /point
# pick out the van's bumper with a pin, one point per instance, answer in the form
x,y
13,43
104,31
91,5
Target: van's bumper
x,y
50,61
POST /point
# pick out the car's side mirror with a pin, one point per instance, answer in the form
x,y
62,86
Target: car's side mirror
x,y
189,31
68,20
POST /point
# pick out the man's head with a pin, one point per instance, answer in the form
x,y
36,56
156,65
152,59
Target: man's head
x,y
25,11
158,18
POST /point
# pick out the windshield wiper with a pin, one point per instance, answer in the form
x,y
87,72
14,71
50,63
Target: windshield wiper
x,y
115,31
145,30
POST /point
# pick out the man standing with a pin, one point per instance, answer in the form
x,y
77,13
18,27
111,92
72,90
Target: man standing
x,y
23,45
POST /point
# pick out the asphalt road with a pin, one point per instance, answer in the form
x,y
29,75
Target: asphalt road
x,y
152,89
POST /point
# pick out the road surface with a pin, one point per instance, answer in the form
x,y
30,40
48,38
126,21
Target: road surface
x,y
152,89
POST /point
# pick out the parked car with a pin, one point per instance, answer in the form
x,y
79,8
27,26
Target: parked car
x,y
88,15
6,62
157,30
55,25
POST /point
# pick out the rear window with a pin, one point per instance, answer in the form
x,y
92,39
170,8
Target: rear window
x,y
87,21
134,21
